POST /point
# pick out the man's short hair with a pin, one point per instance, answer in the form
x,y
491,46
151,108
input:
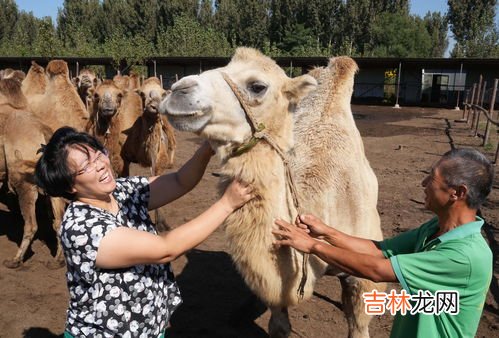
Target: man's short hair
x,y
471,168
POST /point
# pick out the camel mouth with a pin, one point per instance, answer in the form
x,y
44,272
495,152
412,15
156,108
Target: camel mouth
x,y
107,112
192,121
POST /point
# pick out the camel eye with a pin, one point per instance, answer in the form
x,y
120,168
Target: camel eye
x,y
257,87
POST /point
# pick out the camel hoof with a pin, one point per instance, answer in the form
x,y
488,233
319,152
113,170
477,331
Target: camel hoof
x,y
54,265
11,263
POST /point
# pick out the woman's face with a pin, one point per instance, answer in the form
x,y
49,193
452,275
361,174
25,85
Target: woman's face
x,y
93,173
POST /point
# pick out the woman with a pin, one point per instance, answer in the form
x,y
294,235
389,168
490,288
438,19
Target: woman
x,y
118,273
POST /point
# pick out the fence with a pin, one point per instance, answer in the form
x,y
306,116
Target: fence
x,y
474,107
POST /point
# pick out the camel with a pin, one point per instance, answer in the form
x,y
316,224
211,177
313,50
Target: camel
x,y
317,136
151,141
18,156
84,83
60,104
9,73
35,81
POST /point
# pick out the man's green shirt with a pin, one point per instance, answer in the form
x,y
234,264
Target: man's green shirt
x,y
459,260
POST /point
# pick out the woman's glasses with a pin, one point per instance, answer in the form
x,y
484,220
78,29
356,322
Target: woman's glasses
x,y
92,164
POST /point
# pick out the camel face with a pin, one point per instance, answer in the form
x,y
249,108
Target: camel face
x,y
152,94
86,79
107,99
205,103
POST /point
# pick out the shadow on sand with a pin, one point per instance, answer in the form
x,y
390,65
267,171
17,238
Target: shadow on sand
x,y
217,303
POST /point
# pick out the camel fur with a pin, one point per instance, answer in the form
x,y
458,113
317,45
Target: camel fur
x,y
60,104
151,141
324,148
35,82
18,156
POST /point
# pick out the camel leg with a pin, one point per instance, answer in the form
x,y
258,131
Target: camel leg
x,y
58,207
279,325
27,195
353,304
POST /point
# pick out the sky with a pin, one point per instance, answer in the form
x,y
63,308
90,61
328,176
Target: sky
x,y
49,8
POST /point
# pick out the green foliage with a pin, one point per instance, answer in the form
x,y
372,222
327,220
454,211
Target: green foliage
x,y
472,23
397,35
130,31
188,38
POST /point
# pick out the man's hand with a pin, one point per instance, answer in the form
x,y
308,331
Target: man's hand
x,y
314,226
293,236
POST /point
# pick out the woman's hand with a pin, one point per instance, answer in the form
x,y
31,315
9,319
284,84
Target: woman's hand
x,y
314,226
293,236
237,194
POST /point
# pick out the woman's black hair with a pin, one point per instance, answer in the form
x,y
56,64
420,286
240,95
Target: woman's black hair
x,y
52,173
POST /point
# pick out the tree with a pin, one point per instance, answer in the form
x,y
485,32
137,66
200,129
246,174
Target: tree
x,y
188,38
472,24
47,43
205,13
25,35
437,24
8,18
396,35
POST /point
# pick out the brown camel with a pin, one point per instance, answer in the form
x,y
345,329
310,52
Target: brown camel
x,y
35,81
18,156
85,83
60,104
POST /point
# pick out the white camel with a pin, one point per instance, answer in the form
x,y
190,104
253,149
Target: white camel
x,y
319,139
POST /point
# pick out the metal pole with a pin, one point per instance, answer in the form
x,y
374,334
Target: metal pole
x,y
154,63
398,86
77,68
291,69
491,111
458,92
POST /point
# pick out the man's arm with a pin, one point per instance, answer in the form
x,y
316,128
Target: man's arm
x,y
375,268
319,229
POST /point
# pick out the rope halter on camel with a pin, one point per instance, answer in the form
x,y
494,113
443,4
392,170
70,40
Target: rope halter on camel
x,y
258,133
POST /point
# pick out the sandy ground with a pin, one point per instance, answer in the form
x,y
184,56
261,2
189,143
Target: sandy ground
x,y
400,144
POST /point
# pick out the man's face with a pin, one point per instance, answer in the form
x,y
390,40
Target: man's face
x,y
438,195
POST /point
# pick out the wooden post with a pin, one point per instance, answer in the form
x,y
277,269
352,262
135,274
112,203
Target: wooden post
x,y
479,112
176,77
466,98
154,63
491,111
161,80
77,68
471,102
477,100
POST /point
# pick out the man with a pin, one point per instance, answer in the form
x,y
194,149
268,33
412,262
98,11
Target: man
x,y
446,253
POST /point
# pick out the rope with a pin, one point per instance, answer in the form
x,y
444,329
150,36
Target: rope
x,y
258,132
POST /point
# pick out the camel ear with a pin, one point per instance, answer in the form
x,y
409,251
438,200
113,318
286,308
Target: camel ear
x,y
298,87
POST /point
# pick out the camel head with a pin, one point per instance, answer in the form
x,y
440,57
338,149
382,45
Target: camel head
x,y
35,67
85,80
206,105
57,67
107,99
152,94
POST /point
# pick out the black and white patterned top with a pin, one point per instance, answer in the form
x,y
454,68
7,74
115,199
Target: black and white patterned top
x,y
131,302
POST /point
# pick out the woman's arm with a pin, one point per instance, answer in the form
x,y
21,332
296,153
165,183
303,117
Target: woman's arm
x,y
167,188
124,247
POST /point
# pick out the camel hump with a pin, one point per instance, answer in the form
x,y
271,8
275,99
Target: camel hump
x,y
57,67
152,79
344,66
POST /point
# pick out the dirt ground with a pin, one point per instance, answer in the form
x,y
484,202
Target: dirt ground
x,y
401,145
